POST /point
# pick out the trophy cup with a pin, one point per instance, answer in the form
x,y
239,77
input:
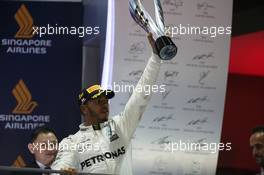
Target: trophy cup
x,y
165,46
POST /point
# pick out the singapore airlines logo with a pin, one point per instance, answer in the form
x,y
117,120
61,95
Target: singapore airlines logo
x,y
25,105
19,162
25,22
24,40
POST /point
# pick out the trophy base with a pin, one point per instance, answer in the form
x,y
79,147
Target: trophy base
x,y
166,48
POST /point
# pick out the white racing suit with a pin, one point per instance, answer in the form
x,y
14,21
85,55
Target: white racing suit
x,y
102,150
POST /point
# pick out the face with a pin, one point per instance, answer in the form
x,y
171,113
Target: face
x,y
257,145
44,148
96,110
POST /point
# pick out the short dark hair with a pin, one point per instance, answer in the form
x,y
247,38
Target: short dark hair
x,y
39,131
258,129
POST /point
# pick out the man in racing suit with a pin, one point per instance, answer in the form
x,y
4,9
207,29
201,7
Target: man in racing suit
x,y
100,144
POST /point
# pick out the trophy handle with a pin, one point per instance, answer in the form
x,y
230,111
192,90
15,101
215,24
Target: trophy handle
x,y
165,47
159,16
141,16
133,12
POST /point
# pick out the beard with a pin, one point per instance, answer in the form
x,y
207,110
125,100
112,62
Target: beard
x,y
101,117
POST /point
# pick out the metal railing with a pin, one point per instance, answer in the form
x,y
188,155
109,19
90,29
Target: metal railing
x,y
44,171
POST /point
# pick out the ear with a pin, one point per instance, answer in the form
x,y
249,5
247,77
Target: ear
x,y
30,148
83,109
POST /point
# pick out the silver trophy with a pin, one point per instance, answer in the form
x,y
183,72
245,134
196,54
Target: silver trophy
x,y
165,46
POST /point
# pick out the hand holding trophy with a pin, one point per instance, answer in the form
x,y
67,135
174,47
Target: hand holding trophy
x,y
164,45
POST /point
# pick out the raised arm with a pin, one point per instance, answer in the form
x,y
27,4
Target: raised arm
x,y
139,100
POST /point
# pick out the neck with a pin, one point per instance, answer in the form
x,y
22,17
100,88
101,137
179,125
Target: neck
x,y
91,121
41,165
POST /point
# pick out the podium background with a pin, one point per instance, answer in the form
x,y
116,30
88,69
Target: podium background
x,y
199,121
